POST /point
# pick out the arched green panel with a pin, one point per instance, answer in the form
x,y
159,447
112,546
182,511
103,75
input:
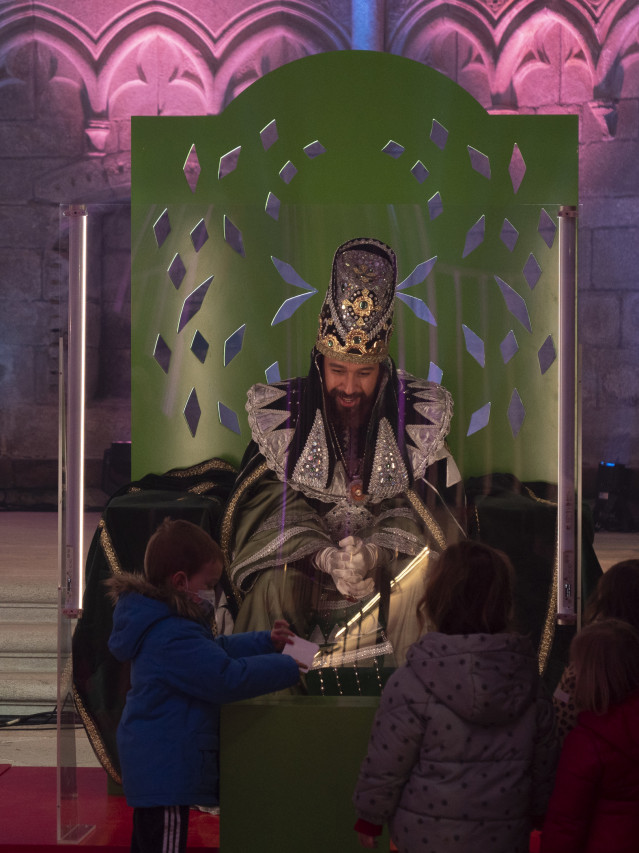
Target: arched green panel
x,y
327,148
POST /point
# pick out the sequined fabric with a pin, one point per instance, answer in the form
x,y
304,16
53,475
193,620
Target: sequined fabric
x,y
356,319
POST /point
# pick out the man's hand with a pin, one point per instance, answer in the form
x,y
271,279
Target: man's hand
x,y
368,841
362,556
349,565
351,585
281,634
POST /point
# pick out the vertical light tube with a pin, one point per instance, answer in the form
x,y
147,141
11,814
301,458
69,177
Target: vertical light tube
x,y
74,570
579,491
566,505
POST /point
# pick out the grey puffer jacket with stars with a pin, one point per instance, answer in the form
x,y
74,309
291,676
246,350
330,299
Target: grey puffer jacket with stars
x,y
463,749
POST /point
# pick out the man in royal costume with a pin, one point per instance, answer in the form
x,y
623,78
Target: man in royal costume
x,y
347,489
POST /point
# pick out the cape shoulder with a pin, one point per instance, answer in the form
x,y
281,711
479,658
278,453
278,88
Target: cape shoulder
x,y
273,411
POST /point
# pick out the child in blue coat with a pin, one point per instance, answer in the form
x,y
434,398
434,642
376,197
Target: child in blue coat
x,y
168,737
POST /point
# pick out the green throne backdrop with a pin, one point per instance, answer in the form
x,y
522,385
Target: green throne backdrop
x,y
235,219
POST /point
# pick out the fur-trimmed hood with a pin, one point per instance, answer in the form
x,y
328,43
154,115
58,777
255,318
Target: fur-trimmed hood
x,y
177,600
140,604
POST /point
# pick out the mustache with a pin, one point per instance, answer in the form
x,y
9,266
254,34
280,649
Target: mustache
x,y
339,395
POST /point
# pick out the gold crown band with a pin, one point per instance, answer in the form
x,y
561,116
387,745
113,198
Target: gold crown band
x,y
331,347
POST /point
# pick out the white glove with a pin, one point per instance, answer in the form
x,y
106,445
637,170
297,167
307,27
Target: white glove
x,y
336,562
363,556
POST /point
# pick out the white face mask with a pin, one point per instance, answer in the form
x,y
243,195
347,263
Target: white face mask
x,y
206,595
205,600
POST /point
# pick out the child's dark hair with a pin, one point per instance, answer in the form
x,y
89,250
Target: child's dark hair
x,y
178,546
469,590
605,655
616,595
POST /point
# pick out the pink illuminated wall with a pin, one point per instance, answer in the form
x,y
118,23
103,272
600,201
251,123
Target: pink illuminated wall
x,y
72,73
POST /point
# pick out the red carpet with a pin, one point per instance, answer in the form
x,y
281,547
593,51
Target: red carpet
x,y
28,814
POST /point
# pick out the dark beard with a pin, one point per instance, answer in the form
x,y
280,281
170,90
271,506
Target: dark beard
x,y
348,418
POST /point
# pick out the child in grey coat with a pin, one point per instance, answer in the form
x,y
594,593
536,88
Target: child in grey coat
x,y
463,749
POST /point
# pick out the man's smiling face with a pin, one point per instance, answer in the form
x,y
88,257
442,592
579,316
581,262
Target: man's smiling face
x,y
352,388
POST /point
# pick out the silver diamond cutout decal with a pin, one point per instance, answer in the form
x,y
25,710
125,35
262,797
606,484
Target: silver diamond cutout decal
x,y
509,347
233,236
435,206
435,373
479,162
192,169
474,345
314,149
288,172
233,345
419,172
228,418
162,354
162,228
516,412
479,419
418,275
272,373
517,168
177,271
192,412
272,206
514,303
199,235
547,354
228,162
418,307
532,271
439,134
193,303
199,346
475,236
393,149
509,235
269,135
290,276
547,228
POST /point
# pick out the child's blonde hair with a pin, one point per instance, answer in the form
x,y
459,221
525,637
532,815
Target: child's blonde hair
x,y
469,590
605,656
178,546
616,595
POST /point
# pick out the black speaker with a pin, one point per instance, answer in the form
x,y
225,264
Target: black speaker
x,y
611,506
116,466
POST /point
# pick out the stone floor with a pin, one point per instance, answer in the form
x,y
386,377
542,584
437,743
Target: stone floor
x,y
28,558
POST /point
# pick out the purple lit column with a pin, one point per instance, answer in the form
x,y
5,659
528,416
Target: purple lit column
x,y
368,24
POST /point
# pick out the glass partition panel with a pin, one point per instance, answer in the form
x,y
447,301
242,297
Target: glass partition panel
x,y
235,222
89,250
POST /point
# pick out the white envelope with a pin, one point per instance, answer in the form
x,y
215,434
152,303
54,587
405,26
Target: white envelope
x,y
303,651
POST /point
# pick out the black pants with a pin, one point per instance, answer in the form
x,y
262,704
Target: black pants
x,y
160,829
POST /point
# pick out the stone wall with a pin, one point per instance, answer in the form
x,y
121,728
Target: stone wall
x,y
72,73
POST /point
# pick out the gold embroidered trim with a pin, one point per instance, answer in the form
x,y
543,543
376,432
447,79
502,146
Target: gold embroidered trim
x,y
202,468
331,347
227,521
435,530
109,550
95,739
202,487
548,631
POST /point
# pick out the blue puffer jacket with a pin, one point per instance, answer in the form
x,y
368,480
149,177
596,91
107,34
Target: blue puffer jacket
x,y
168,737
